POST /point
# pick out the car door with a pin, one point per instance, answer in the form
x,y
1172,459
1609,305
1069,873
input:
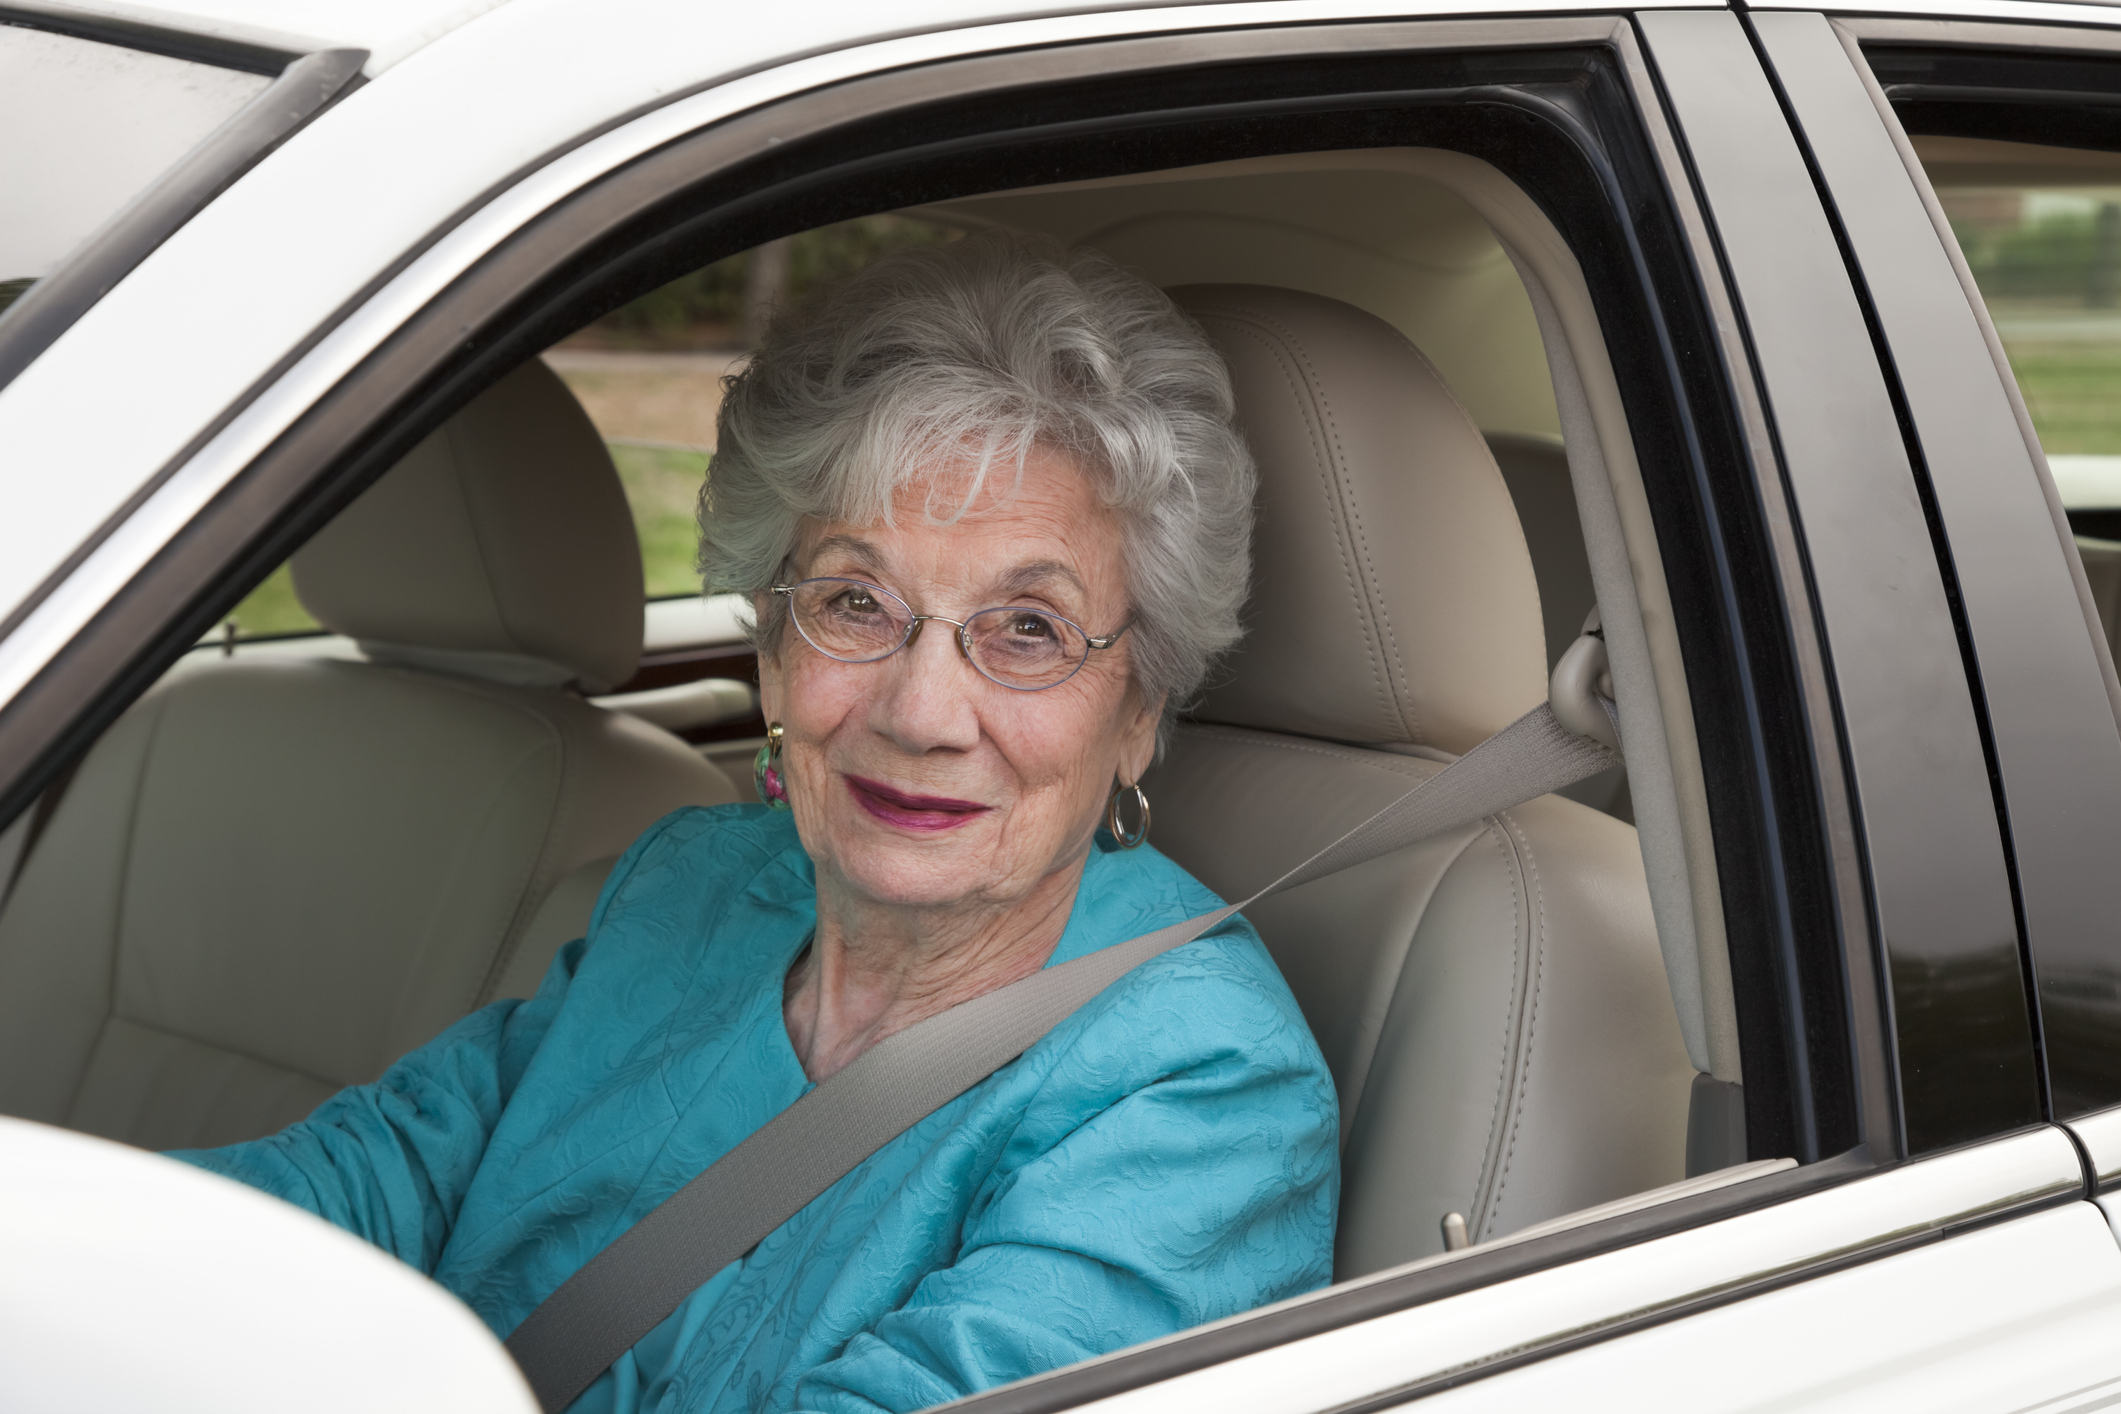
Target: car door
x,y
2011,1302
2028,529
1830,799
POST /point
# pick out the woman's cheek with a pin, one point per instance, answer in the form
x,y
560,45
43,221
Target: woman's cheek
x,y
808,715
1070,749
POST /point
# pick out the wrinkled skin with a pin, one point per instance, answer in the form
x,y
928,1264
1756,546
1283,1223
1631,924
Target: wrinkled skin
x,y
920,908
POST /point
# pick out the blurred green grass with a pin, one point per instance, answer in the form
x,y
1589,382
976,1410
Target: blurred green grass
x,y
662,487
272,608
2073,391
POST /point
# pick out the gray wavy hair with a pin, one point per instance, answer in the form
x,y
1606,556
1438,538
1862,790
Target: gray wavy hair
x,y
974,353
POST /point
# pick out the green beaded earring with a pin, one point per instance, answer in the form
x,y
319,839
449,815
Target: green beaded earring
x,y
766,770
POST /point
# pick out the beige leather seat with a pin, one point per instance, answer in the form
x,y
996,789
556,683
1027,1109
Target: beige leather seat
x,y
275,874
1492,1002
1537,473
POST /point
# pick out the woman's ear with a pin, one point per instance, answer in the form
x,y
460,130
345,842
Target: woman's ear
x,y
1137,748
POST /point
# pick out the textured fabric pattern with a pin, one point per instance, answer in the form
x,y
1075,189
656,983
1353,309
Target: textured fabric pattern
x,y
1164,1157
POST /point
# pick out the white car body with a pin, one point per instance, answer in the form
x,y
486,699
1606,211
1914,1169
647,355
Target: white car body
x,y
1984,1278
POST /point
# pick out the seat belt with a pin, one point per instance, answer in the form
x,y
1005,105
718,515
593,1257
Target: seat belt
x,y
631,1286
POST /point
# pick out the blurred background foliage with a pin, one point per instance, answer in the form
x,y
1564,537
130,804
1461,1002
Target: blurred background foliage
x,y
663,487
2064,255
711,308
719,308
2048,262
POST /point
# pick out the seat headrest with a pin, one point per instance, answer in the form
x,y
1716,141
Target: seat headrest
x,y
501,547
1393,599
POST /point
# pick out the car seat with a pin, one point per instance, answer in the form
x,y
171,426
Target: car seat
x,y
278,872
1492,1002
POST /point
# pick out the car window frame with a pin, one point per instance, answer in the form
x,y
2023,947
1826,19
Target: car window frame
x,y
1937,884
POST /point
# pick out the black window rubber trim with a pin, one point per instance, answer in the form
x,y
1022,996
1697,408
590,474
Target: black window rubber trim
x,y
304,87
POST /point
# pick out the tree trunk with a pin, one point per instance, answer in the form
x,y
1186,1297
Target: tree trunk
x,y
765,286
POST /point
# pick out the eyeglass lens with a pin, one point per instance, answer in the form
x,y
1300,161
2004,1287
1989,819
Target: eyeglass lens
x,y
860,623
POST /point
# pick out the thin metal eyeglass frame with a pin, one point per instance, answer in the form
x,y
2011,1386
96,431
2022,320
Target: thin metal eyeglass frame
x,y
963,627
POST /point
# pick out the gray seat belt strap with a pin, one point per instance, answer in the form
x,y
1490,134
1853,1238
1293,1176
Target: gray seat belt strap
x,y
628,1289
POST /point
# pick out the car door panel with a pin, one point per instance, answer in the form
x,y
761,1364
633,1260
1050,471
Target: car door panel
x,y
1938,881
2000,1320
2099,1136
1473,1339
2043,687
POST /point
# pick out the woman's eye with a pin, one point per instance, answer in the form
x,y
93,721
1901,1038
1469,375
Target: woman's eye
x,y
1030,626
855,601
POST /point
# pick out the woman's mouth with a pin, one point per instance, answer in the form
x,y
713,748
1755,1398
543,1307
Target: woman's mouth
x,y
913,812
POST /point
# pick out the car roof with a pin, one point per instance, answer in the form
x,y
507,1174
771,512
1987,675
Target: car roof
x,y
388,29
393,30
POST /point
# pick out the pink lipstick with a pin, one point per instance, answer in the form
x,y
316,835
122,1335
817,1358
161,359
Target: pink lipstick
x,y
913,812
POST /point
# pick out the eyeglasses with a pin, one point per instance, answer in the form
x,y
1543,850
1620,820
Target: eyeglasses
x,y
853,621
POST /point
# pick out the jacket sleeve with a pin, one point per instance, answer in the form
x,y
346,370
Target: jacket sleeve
x,y
391,1161
1207,1192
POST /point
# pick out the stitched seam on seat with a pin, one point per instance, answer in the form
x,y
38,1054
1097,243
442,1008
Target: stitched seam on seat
x,y
88,1063
572,784
122,881
1512,1013
1368,1041
502,696
1360,595
1536,938
450,433
1398,692
521,878
1395,687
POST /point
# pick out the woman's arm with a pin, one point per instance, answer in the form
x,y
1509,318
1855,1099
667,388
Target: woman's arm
x,y
390,1161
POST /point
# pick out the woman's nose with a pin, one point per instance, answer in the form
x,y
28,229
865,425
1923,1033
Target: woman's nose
x,y
924,700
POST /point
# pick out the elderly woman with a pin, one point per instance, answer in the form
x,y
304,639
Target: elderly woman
x,y
991,509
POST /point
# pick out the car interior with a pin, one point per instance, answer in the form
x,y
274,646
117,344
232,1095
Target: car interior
x,y
295,859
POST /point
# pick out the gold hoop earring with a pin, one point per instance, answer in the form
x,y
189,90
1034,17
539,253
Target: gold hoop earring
x,y
767,772
1112,823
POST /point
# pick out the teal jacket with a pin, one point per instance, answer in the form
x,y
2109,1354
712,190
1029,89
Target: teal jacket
x,y
1166,1156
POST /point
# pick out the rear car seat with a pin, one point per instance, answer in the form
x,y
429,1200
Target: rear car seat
x,y
1492,1002
276,874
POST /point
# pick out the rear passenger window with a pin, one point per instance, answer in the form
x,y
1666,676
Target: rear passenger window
x,y
2041,230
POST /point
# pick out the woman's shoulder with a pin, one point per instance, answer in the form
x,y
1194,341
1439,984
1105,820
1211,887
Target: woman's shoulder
x,y
1219,996
699,855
